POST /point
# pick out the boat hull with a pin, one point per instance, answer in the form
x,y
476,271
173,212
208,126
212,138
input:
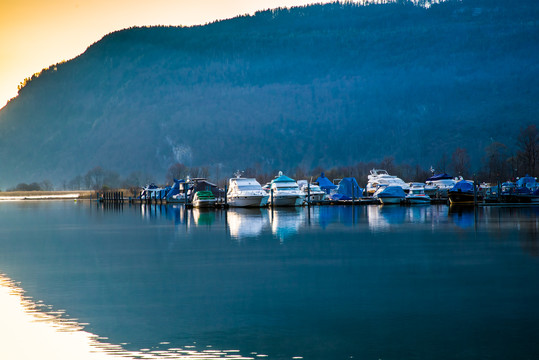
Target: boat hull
x,y
418,200
204,203
247,201
461,198
390,200
287,200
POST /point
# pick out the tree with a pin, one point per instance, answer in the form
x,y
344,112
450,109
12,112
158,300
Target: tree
x,y
46,185
94,178
460,162
528,144
441,167
495,162
177,171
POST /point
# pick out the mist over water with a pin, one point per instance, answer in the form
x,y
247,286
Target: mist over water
x,y
329,282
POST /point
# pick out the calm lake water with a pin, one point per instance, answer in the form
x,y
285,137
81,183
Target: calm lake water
x,y
364,282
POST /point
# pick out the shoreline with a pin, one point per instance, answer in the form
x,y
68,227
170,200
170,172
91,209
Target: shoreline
x,y
47,195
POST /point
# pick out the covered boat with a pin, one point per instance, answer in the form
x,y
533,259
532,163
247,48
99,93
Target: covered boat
x,y
462,193
325,184
442,182
176,192
153,192
525,190
348,189
390,194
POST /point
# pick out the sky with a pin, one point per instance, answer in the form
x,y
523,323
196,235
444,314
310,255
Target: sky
x,y
35,34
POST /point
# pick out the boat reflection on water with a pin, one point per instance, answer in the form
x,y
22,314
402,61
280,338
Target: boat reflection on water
x,y
316,283
246,222
285,222
383,217
203,216
462,216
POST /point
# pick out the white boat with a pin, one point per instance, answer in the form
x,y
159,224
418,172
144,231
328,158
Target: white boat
x,y
315,192
284,191
153,191
379,177
429,189
442,182
389,194
417,195
245,192
204,199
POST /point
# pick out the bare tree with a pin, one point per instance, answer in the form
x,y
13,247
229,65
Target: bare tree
x,y
460,162
177,171
528,144
495,162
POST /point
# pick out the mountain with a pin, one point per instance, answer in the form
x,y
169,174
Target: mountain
x,y
321,85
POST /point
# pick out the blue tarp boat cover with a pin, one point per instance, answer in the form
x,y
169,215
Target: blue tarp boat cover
x,y
525,180
325,184
392,191
175,189
463,186
443,176
348,187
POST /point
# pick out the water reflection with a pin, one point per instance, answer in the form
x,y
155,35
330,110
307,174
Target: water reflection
x,y
319,283
382,217
244,223
51,335
286,222
463,216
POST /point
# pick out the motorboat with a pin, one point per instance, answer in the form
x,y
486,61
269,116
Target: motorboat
x,y
442,184
194,185
245,192
285,191
204,199
177,192
463,193
379,177
429,189
348,189
312,192
389,194
153,192
525,190
417,195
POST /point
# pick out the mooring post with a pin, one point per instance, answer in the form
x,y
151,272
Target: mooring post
x,y
474,193
271,196
353,193
308,194
226,196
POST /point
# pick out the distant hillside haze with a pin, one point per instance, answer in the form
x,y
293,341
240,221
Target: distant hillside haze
x,y
315,86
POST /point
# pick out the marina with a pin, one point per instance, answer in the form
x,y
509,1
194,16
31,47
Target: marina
x,y
382,188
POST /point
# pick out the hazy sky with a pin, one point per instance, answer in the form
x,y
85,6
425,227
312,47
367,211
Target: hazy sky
x,y
37,33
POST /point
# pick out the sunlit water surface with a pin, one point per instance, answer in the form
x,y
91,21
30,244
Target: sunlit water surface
x,y
84,281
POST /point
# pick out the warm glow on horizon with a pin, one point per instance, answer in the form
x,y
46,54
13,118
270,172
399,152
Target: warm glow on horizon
x,y
36,34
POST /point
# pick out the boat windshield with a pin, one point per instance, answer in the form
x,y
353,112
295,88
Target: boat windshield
x,y
287,188
249,187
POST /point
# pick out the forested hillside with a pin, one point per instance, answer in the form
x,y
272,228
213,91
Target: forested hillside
x,y
322,85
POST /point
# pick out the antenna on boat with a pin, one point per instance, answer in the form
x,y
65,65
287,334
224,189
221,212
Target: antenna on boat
x,y
280,173
431,170
238,173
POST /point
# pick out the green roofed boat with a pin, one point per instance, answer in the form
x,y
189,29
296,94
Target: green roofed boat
x,y
204,199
